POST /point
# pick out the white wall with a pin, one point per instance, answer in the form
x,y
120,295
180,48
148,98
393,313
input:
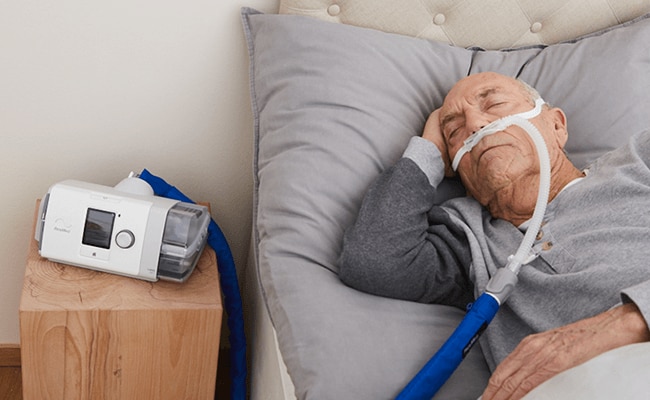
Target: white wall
x,y
94,89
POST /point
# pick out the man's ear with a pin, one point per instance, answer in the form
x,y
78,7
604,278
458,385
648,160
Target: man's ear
x,y
559,125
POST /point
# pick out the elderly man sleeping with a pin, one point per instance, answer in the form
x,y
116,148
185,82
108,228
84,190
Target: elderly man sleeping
x,y
588,289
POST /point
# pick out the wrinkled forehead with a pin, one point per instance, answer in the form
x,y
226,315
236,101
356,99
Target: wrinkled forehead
x,y
480,86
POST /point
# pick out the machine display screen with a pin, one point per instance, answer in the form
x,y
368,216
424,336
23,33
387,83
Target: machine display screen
x,y
98,228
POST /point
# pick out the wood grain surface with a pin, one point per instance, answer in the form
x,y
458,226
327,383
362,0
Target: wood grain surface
x,y
92,335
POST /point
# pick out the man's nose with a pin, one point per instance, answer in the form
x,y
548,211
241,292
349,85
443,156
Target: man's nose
x,y
475,120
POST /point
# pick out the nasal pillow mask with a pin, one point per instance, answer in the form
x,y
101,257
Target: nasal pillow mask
x,y
494,127
480,313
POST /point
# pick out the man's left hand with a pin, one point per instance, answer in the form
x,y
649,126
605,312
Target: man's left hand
x,y
433,133
541,356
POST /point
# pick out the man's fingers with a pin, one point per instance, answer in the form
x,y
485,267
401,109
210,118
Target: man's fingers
x,y
433,133
534,361
518,384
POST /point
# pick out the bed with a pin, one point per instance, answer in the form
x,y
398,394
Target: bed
x,y
338,88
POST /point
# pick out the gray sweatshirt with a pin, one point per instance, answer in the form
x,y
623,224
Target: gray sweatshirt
x,y
594,245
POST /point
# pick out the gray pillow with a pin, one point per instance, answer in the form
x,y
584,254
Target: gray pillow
x,y
334,105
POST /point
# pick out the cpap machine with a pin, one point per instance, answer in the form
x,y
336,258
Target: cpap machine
x,y
123,230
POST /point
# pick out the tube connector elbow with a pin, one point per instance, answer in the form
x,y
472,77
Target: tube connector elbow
x,y
502,284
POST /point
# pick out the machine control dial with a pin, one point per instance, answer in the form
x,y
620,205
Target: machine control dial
x,y
125,239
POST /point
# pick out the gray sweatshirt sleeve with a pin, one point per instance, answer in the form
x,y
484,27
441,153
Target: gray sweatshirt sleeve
x,y
640,296
402,245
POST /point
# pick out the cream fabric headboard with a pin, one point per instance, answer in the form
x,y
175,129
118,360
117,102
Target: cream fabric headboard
x,y
464,23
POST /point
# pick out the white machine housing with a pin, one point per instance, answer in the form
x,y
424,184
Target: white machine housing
x,y
106,229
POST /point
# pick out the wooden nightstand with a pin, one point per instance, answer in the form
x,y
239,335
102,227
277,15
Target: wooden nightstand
x,y
92,335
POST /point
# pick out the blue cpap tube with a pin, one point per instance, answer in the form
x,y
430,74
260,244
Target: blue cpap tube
x,y
444,362
229,287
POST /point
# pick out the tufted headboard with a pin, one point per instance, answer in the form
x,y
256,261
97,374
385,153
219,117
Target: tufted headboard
x,y
463,23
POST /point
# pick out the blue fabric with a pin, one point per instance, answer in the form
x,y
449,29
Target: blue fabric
x,y
440,367
229,288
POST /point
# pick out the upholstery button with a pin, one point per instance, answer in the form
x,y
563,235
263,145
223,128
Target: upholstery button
x,y
536,27
439,19
334,10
